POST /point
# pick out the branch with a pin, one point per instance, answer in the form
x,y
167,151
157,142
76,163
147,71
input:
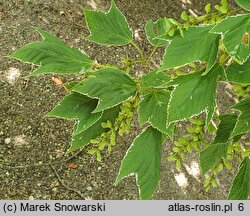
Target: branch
x,y
43,164
65,185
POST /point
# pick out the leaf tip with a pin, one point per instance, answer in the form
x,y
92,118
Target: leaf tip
x,y
118,179
9,56
35,28
113,4
48,115
38,30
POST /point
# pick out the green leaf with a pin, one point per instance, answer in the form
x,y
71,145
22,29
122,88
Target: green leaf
x,y
110,86
109,28
80,107
211,156
225,128
155,79
244,4
233,29
143,160
241,185
197,44
70,85
153,109
82,139
239,73
193,94
154,31
53,56
243,124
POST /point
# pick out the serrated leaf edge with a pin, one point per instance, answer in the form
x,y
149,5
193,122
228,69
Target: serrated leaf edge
x,y
72,139
33,73
100,11
134,173
223,36
151,124
99,99
145,30
194,115
71,119
162,69
233,107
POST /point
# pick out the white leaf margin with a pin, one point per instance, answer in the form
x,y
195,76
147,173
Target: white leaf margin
x,y
223,36
196,60
103,12
233,107
133,173
206,110
150,122
72,119
99,99
39,65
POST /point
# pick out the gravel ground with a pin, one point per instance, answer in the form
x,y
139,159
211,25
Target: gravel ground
x,y
27,138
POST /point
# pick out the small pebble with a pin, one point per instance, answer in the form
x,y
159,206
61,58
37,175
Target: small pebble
x,y
7,141
31,198
89,188
95,184
99,168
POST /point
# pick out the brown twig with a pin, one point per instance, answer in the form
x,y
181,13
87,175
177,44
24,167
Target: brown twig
x,y
43,164
65,185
